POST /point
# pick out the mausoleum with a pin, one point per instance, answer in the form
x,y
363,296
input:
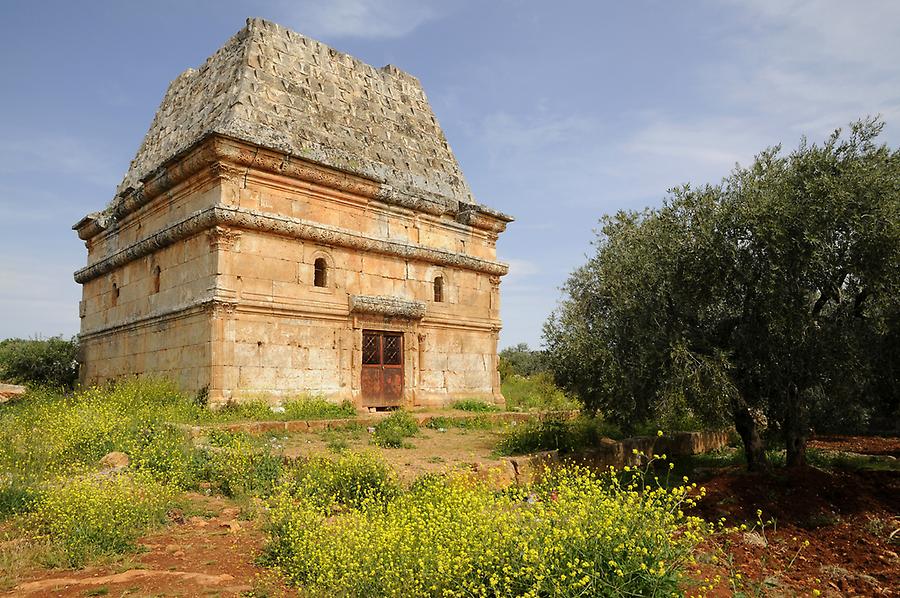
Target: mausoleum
x,y
293,223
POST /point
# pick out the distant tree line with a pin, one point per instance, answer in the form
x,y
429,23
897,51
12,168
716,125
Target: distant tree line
x,y
45,362
522,361
770,301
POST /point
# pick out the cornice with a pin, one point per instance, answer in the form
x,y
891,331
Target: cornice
x,y
296,228
226,156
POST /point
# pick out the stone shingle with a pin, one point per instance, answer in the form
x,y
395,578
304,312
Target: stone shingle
x,y
278,89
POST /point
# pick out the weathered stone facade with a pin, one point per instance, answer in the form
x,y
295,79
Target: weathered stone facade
x,y
289,205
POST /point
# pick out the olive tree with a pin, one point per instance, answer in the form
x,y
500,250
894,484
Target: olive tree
x,y
766,294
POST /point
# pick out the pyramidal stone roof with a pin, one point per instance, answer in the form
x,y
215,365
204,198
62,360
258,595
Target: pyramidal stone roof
x,y
275,88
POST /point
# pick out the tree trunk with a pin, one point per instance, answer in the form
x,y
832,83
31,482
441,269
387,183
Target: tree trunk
x,y
794,430
754,448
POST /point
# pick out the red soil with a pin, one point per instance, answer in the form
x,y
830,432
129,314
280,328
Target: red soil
x,y
846,517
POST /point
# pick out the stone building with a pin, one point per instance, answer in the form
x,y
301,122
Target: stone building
x,y
294,222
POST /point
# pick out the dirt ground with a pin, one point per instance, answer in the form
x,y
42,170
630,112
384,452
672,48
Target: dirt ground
x,y
210,553
850,519
430,451
846,516
865,445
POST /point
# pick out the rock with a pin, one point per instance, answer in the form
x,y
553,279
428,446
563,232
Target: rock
x,y
233,525
115,461
197,521
230,512
11,392
755,539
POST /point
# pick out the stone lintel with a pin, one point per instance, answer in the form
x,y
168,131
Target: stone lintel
x,y
387,306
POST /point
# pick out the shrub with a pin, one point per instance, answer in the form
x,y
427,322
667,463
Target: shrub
x,y
565,435
578,534
237,467
352,479
52,362
93,515
475,406
15,498
318,408
163,452
535,393
392,431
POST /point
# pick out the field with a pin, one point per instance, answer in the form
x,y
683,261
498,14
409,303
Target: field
x,y
406,507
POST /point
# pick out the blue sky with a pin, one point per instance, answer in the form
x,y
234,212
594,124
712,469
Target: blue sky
x,y
558,112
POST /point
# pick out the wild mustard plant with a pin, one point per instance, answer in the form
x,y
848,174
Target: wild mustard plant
x,y
576,534
351,479
92,515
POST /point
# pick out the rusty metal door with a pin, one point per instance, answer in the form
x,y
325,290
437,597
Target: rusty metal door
x,y
382,369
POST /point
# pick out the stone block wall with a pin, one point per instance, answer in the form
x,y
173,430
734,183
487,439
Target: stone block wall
x,y
235,309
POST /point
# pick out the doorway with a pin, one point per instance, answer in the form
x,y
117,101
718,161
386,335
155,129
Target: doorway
x,y
382,369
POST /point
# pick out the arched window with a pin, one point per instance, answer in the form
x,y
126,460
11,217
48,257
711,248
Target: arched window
x,y
156,274
439,288
321,272
114,296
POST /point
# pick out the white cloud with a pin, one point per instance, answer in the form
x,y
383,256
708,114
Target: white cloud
x,y
364,18
815,65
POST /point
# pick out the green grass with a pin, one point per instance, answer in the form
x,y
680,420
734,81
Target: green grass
x,y
850,461
392,431
468,423
302,408
555,433
475,406
535,393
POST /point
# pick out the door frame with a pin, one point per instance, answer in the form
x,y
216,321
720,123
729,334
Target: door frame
x,y
382,400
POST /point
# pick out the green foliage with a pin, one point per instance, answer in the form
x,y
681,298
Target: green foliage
x,y
392,431
475,406
579,534
318,408
92,515
76,430
15,499
536,393
563,434
302,408
519,360
236,465
776,291
352,479
50,362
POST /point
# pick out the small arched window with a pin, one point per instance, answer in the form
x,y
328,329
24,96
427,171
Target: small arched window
x,y
320,278
114,295
156,274
438,289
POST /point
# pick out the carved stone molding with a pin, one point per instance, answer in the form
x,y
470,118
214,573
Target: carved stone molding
x,y
387,306
222,309
222,238
228,158
241,218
